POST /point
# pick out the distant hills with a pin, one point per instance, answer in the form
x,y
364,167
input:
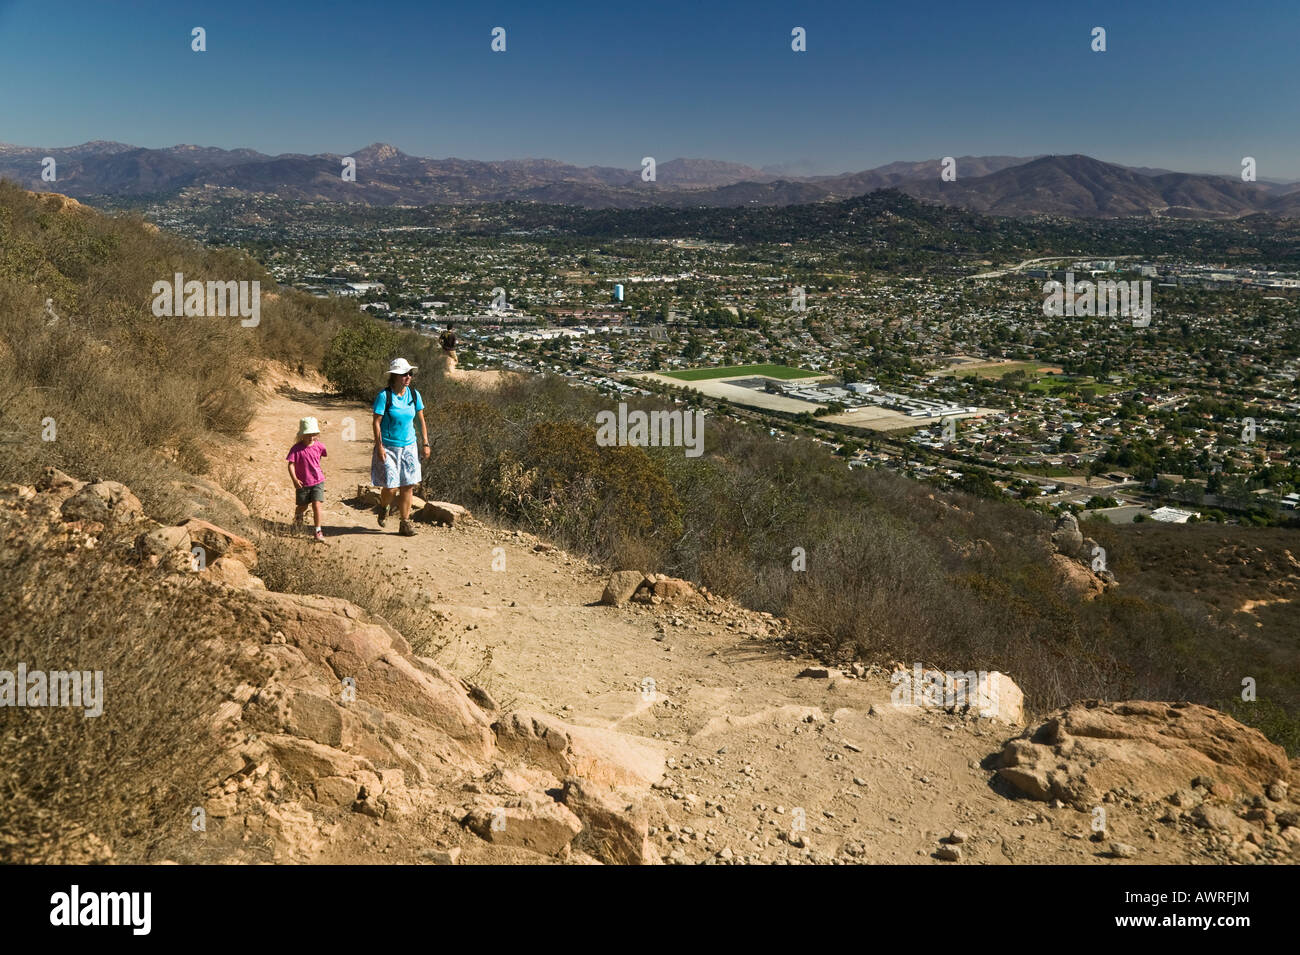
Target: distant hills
x,y
1084,187
1074,186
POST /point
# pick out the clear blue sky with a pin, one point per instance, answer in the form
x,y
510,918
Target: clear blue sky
x,y
1185,84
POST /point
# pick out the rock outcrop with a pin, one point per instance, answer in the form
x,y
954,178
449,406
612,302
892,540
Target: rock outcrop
x,y
972,694
1090,749
349,721
633,585
1081,576
1066,537
622,585
1077,579
535,823
599,755
443,513
218,542
615,825
104,502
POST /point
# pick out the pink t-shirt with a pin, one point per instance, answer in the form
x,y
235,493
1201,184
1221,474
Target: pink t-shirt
x,y
306,462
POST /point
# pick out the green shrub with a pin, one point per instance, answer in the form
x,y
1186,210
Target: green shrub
x,y
357,358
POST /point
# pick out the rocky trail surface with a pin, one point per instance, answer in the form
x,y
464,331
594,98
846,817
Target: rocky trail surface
x,y
693,717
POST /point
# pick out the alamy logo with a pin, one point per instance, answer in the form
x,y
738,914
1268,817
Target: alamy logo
x,y
56,688
1119,299
654,429
218,299
103,908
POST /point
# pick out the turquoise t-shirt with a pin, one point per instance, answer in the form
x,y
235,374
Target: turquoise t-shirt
x,y
398,427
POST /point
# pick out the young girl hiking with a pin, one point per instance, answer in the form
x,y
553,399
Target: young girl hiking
x,y
306,473
395,467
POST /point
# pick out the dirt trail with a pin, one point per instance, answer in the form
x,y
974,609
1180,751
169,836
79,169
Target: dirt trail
x,y
750,744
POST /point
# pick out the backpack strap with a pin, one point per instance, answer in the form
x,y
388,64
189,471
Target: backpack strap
x,y
388,399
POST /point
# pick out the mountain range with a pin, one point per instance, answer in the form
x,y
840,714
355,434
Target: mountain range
x,y
1072,186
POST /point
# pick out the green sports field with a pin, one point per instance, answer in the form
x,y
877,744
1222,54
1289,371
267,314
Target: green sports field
x,y
995,369
784,372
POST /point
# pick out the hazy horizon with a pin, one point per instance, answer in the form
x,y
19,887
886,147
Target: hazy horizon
x,y
775,169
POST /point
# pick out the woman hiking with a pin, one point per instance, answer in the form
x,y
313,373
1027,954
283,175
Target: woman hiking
x,y
395,467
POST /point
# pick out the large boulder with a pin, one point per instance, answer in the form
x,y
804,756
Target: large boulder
x,y
442,512
995,696
1076,579
974,694
317,718
106,502
601,756
535,823
418,714
1067,537
233,573
204,499
163,540
622,585
615,827
218,542
55,482
673,589
307,760
1089,749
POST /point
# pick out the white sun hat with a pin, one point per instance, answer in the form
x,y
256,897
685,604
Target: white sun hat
x,y
308,426
400,366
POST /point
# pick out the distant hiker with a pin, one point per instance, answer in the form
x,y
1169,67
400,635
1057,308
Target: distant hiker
x,y
307,474
448,342
395,466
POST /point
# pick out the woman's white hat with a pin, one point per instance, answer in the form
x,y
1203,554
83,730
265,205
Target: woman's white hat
x,y
400,366
308,426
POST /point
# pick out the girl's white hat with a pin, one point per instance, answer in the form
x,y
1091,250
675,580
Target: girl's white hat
x,y
400,366
308,426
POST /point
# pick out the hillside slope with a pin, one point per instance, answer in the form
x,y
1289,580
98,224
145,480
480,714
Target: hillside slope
x,y
747,741
520,724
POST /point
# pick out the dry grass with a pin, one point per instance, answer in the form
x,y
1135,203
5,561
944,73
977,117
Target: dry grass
x,y
120,385
292,564
168,654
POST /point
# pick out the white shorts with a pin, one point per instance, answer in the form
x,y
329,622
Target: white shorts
x,y
399,468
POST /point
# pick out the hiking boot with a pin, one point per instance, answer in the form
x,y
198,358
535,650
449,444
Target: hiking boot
x,y
382,512
406,529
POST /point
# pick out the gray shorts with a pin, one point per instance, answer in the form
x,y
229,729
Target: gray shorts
x,y
305,495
